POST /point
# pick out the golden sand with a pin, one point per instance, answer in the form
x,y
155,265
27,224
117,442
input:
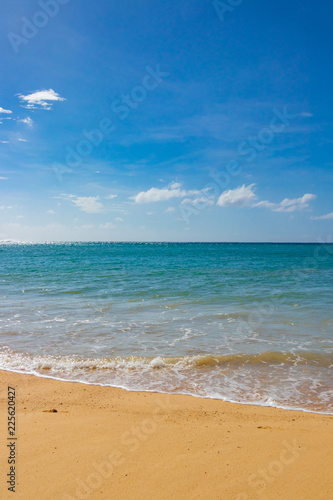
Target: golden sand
x,y
77,441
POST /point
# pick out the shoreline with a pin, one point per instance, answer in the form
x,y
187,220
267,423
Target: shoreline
x,y
104,442
95,384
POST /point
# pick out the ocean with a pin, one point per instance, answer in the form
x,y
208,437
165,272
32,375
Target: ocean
x,y
247,323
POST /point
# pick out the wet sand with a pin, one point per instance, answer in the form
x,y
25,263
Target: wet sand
x,y
106,443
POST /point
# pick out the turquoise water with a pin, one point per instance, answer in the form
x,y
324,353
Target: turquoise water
x,y
251,323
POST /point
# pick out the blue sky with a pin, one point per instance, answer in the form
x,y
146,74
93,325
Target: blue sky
x,y
166,121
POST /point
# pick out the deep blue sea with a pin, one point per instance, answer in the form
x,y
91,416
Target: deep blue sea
x,y
250,323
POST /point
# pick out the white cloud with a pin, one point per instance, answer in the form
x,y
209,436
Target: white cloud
x,y
4,142
288,205
156,194
240,197
51,212
265,204
28,121
107,225
3,178
196,201
5,111
22,140
173,191
244,196
323,217
111,196
170,209
120,219
42,99
88,204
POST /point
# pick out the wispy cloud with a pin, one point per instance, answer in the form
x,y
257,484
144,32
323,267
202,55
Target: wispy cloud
x,y
5,111
207,200
156,194
28,121
289,205
174,190
111,196
245,196
4,142
41,99
240,197
323,217
88,204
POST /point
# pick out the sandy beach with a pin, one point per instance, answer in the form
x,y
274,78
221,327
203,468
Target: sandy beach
x,y
83,441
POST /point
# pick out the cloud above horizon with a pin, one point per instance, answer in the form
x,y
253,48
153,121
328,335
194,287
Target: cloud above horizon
x,y
41,99
164,194
5,111
323,217
240,197
289,205
245,196
28,121
88,204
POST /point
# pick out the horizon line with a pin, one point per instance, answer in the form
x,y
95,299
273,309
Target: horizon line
x,y
9,241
